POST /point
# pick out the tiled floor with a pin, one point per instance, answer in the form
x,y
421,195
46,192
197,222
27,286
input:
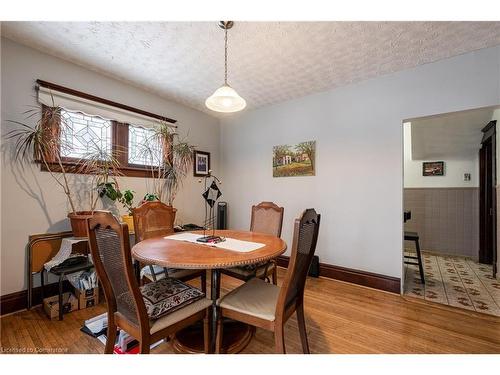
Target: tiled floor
x,y
455,281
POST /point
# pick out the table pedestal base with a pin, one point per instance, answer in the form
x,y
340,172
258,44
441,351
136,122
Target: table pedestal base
x,y
236,336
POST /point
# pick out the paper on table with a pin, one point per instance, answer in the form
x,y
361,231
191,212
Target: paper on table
x,y
229,244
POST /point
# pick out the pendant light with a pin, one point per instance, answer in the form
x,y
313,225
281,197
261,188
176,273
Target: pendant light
x,y
225,98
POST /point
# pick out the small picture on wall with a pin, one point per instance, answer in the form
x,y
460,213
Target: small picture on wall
x,y
433,168
294,160
201,163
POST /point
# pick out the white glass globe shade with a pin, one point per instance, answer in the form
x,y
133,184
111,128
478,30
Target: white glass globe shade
x,y
225,99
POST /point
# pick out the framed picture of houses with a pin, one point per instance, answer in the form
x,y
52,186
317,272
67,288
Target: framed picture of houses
x,y
294,160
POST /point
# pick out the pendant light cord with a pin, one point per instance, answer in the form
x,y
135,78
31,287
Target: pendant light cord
x,y
225,56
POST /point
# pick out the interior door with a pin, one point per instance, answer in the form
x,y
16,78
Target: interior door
x,y
487,196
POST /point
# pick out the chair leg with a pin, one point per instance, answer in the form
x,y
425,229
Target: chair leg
x,y
218,339
420,266
110,338
152,270
61,278
137,270
275,275
206,334
203,278
42,282
144,346
302,329
279,338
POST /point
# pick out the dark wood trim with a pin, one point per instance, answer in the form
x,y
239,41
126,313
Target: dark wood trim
x,y
17,301
487,197
80,94
369,279
120,142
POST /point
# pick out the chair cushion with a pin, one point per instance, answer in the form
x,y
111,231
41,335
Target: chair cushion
x,y
160,274
181,314
255,297
250,270
167,295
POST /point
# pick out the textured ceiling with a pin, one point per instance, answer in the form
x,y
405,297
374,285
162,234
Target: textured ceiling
x,y
269,62
449,136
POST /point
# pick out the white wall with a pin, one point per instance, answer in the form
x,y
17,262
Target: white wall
x,y
454,169
31,202
359,133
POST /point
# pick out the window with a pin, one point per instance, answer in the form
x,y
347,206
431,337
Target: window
x,y
99,125
143,147
83,135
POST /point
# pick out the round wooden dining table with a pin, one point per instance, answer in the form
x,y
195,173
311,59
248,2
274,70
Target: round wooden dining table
x,y
171,253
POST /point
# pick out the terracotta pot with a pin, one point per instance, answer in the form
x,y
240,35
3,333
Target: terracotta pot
x,y
129,220
78,222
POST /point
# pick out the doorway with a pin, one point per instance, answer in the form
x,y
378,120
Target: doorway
x,y
450,207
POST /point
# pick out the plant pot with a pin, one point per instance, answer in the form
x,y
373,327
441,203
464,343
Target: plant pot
x,y
129,220
78,222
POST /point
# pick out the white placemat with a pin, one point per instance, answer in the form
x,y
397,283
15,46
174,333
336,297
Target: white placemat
x,y
229,244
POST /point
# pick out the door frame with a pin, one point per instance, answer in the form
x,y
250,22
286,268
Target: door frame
x,y
487,216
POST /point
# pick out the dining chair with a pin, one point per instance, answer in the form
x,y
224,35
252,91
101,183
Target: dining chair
x,y
268,306
267,217
156,219
148,313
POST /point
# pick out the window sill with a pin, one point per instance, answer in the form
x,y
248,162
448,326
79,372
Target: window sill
x,y
74,168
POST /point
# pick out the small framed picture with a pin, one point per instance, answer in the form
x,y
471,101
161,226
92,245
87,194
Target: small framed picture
x,y
201,163
433,168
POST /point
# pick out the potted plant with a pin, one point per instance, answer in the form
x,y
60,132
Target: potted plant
x,y
42,143
149,197
126,198
169,166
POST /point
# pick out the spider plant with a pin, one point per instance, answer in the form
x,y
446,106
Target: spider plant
x,y
103,166
41,143
170,160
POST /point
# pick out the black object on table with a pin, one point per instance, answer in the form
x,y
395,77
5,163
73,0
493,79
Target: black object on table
x,y
67,267
413,236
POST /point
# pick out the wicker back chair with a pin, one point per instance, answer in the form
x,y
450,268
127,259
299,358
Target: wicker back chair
x,y
267,218
156,219
268,306
110,248
305,237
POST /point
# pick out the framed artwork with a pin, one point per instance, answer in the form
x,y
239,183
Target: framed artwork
x,y
294,160
433,168
201,163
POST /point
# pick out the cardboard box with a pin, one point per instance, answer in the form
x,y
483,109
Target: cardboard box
x,y
87,298
51,305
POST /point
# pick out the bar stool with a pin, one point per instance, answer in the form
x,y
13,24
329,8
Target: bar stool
x,y
413,236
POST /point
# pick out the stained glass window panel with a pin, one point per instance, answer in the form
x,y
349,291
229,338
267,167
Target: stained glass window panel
x,y
83,135
143,147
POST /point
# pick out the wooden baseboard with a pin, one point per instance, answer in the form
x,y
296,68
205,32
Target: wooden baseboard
x,y
369,279
13,302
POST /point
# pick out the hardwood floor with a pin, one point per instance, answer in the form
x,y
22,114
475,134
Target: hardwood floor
x,y
341,318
